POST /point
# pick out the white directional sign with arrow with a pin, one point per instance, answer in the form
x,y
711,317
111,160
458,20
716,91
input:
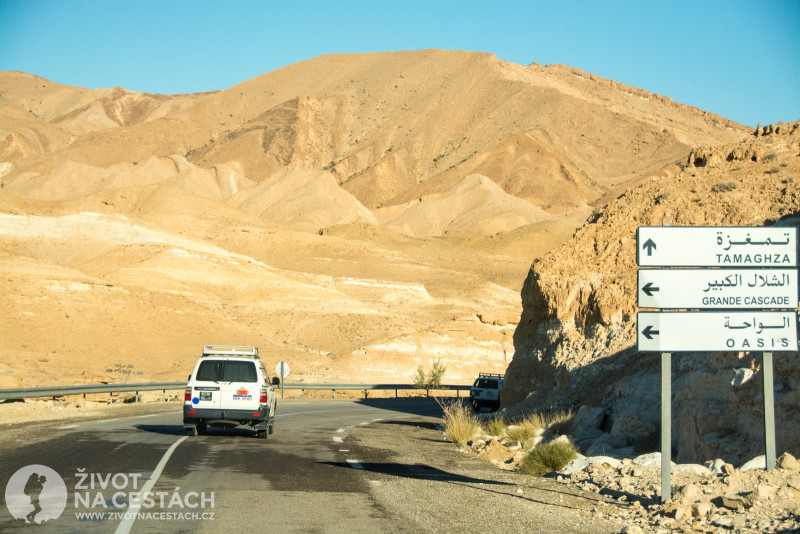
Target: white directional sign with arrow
x,y
717,331
752,268
730,246
718,288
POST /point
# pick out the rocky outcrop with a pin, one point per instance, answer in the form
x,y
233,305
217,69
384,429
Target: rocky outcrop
x,y
711,495
576,346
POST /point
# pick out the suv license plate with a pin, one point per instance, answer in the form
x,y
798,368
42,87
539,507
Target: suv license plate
x,y
205,395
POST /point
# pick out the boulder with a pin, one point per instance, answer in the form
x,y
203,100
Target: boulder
x,y
702,509
788,462
735,502
652,459
759,462
589,417
582,462
585,436
695,469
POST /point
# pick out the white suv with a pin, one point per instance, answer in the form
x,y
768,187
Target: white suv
x,y
228,387
486,391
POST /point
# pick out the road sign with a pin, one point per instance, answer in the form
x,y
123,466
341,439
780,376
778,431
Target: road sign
x,y
282,370
717,331
721,246
718,288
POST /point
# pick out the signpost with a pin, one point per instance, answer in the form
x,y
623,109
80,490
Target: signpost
x,y
718,288
282,370
716,246
717,331
748,268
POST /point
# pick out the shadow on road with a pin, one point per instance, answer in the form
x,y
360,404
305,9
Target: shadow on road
x,y
178,430
426,472
423,406
169,430
416,424
418,471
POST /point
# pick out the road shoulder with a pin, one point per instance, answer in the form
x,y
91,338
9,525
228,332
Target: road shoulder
x,y
431,486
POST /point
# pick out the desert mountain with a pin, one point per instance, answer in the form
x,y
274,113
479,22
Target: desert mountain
x,y
355,214
575,344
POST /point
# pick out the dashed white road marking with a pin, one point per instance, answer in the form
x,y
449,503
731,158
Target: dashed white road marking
x,y
66,427
337,439
133,509
354,464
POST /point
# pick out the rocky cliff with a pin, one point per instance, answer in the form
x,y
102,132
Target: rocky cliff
x,y
576,341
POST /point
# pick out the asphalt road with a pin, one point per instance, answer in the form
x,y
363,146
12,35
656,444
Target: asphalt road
x,y
302,479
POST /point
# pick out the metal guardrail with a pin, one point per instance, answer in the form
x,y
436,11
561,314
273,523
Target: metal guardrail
x,y
64,391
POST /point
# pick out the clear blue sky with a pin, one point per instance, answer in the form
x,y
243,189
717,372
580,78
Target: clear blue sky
x,y
739,59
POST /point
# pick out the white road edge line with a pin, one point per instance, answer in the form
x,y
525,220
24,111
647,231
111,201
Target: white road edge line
x,y
354,464
66,427
130,516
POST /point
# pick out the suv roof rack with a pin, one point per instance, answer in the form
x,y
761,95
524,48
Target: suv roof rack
x,y
490,375
230,350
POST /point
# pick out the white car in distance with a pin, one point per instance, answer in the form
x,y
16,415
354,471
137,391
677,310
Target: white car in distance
x,y
230,387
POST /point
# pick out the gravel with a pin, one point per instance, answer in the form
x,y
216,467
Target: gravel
x,y
419,476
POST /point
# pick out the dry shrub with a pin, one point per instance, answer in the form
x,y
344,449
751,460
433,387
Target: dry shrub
x,y
558,422
547,458
494,426
724,187
458,421
523,430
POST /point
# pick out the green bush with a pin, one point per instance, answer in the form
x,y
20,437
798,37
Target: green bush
x,y
432,380
547,458
419,379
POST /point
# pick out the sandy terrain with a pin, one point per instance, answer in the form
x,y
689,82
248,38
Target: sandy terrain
x,y
354,215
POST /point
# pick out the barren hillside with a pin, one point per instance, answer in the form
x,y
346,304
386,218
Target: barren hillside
x,y
357,215
576,341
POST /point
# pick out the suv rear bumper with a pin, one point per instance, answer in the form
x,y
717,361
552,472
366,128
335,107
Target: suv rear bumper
x,y
229,417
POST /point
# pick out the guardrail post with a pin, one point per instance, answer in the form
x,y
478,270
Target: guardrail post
x,y
302,393
84,400
365,394
334,393
54,400
110,397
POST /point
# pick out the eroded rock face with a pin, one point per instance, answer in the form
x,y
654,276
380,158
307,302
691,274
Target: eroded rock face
x,y
575,344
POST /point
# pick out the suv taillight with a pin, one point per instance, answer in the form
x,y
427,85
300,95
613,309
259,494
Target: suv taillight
x,y
188,395
264,397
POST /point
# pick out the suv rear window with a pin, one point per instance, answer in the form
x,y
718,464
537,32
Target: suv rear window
x,y
485,383
227,371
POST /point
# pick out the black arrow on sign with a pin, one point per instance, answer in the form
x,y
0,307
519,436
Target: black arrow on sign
x,y
650,246
649,332
649,289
